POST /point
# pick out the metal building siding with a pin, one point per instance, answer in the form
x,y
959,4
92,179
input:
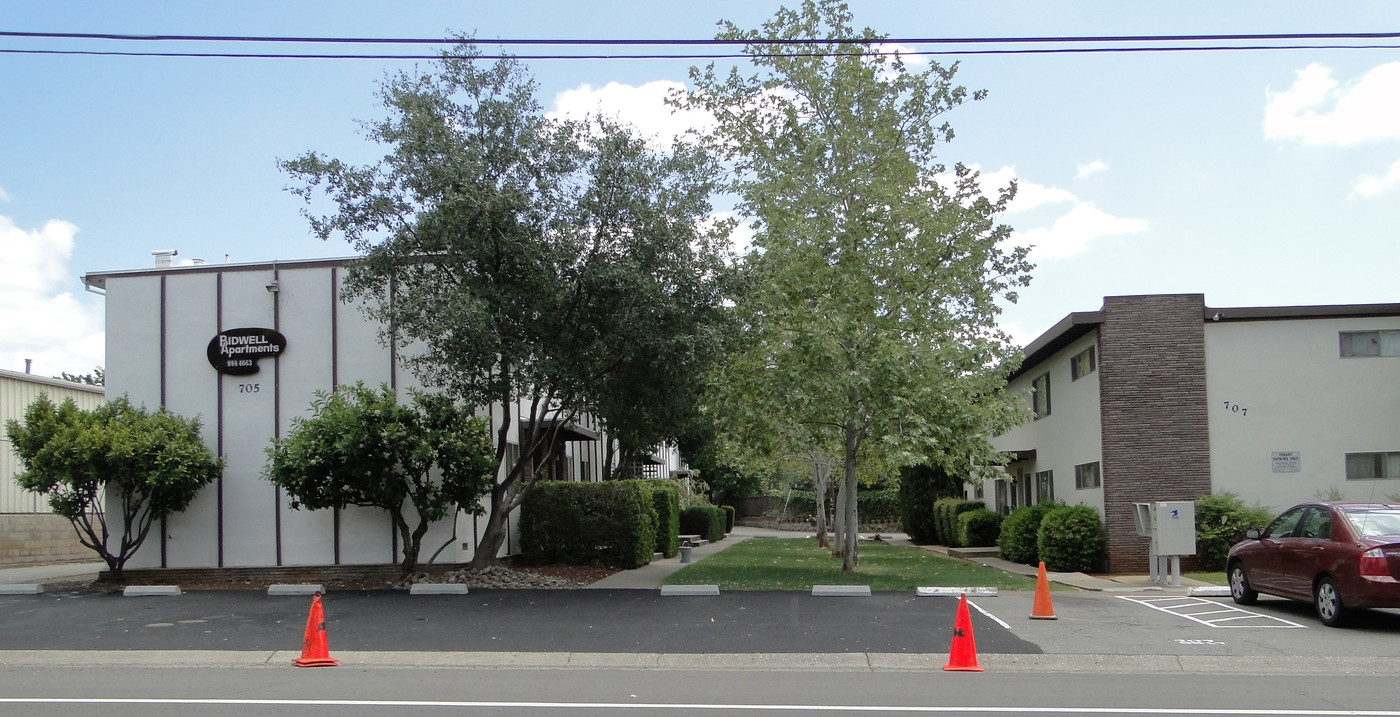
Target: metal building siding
x,y
17,391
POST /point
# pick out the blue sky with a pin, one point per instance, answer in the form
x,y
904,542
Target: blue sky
x,y
1258,178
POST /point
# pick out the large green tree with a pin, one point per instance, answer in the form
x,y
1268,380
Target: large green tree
x,y
877,269
549,267
114,471
364,447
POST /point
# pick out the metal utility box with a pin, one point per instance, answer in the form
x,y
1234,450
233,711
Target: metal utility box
x,y
1171,524
1174,528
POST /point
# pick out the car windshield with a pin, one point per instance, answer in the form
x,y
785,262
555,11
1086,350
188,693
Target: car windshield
x,y
1376,521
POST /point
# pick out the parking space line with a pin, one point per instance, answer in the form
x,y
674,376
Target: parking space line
x,y
1175,606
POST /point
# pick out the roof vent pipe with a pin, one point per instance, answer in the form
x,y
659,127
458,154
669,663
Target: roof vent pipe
x,y
27,364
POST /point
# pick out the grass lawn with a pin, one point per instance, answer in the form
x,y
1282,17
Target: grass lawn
x,y
798,564
1212,578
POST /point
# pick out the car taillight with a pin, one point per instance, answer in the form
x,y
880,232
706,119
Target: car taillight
x,y
1373,563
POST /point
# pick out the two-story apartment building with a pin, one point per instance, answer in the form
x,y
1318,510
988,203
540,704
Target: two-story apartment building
x,y
1160,397
288,320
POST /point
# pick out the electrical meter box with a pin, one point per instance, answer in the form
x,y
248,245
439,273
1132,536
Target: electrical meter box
x,y
1174,527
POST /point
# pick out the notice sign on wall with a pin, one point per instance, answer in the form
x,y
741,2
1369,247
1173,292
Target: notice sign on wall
x,y
1287,461
236,352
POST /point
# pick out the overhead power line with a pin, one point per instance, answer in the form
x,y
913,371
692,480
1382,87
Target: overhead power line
x,y
905,46
673,41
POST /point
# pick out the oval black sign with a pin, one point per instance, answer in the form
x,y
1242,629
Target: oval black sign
x,y
236,352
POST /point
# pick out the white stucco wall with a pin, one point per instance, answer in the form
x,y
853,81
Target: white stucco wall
x,y
156,353
1069,436
1296,394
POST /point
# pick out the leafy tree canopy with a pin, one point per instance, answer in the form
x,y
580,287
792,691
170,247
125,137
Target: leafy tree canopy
x,y
551,267
876,271
148,465
362,447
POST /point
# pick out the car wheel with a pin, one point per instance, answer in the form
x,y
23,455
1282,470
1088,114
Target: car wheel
x,y
1240,590
1328,602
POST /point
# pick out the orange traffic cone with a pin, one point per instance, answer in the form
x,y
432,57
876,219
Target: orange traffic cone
x,y
314,651
1041,609
963,655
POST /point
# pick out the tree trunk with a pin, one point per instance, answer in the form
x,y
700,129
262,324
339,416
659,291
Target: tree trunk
x,y
821,478
852,556
838,543
494,536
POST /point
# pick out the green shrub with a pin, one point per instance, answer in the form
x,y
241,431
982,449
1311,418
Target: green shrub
x,y
1018,533
801,503
610,523
879,506
978,528
665,501
1221,521
706,521
728,518
919,487
1071,539
946,512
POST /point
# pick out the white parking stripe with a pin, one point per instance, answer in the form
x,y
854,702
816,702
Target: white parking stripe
x,y
1181,608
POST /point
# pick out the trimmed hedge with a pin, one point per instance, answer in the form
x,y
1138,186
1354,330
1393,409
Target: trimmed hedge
x,y
919,487
979,528
707,521
1018,541
666,503
611,523
945,515
1071,539
728,518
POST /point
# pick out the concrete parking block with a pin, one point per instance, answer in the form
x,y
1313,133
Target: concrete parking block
x,y
437,589
21,589
954,592
689,590
841,591
1209,591
283,589
150,590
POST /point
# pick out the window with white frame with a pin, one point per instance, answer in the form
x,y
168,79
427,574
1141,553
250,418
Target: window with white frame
x,y
1084,363
1356,344
1040,396
1045,486
1367,466
1086,475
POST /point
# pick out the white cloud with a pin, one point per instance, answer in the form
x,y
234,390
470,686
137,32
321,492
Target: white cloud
x,y
1371,186
41,318
1029,195
1071,233
643,107
1318,109
1090,169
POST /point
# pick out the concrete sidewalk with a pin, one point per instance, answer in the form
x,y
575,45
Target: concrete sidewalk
x,y
57,572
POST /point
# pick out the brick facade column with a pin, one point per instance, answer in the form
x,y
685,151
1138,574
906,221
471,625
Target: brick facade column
x,y
1152,394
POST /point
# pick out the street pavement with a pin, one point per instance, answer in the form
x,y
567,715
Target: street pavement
x,y
1121,625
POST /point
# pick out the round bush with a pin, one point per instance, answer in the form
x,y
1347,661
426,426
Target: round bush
x,y
1071,539
979,528
1221,521
1018,533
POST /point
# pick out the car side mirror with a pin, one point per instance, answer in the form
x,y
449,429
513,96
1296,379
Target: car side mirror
x,y
1252,534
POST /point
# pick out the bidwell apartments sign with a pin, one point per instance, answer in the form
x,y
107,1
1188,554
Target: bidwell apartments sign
x,y
235,352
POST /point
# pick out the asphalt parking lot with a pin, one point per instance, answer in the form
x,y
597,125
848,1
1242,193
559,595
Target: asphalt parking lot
x,y
1129,623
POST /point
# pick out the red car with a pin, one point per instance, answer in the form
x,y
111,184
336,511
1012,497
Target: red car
x,y
1337,555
